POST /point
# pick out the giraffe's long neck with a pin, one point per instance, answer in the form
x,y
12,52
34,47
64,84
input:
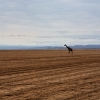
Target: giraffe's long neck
x,y
66,46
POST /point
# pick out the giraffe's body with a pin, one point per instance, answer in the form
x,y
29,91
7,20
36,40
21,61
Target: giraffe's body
x,y
69,49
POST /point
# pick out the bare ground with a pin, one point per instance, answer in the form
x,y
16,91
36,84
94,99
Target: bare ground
x,y
49,75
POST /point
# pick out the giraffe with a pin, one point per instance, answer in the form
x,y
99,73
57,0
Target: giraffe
x,y
69,49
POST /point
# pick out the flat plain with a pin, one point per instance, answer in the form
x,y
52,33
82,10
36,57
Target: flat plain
x,y
49,75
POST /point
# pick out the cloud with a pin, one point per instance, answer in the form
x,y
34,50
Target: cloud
x,y
17,35
39,21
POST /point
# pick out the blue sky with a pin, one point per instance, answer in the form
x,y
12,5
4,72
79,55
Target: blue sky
x,y
49,22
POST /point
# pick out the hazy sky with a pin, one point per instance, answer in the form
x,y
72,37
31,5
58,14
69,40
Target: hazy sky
x,y
49,22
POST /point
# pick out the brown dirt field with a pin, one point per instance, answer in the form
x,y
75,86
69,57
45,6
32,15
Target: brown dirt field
x,y
49,75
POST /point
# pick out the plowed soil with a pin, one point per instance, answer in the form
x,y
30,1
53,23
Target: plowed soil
x,y
49,75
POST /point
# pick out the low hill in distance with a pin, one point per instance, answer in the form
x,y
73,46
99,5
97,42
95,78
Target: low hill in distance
x,y
19,47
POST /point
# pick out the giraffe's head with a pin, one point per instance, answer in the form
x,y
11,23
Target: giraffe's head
x,y
65,45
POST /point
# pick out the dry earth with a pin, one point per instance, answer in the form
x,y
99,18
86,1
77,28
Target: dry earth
x,y
49,75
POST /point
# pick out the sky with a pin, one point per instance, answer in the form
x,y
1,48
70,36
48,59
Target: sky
x,y
49,22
